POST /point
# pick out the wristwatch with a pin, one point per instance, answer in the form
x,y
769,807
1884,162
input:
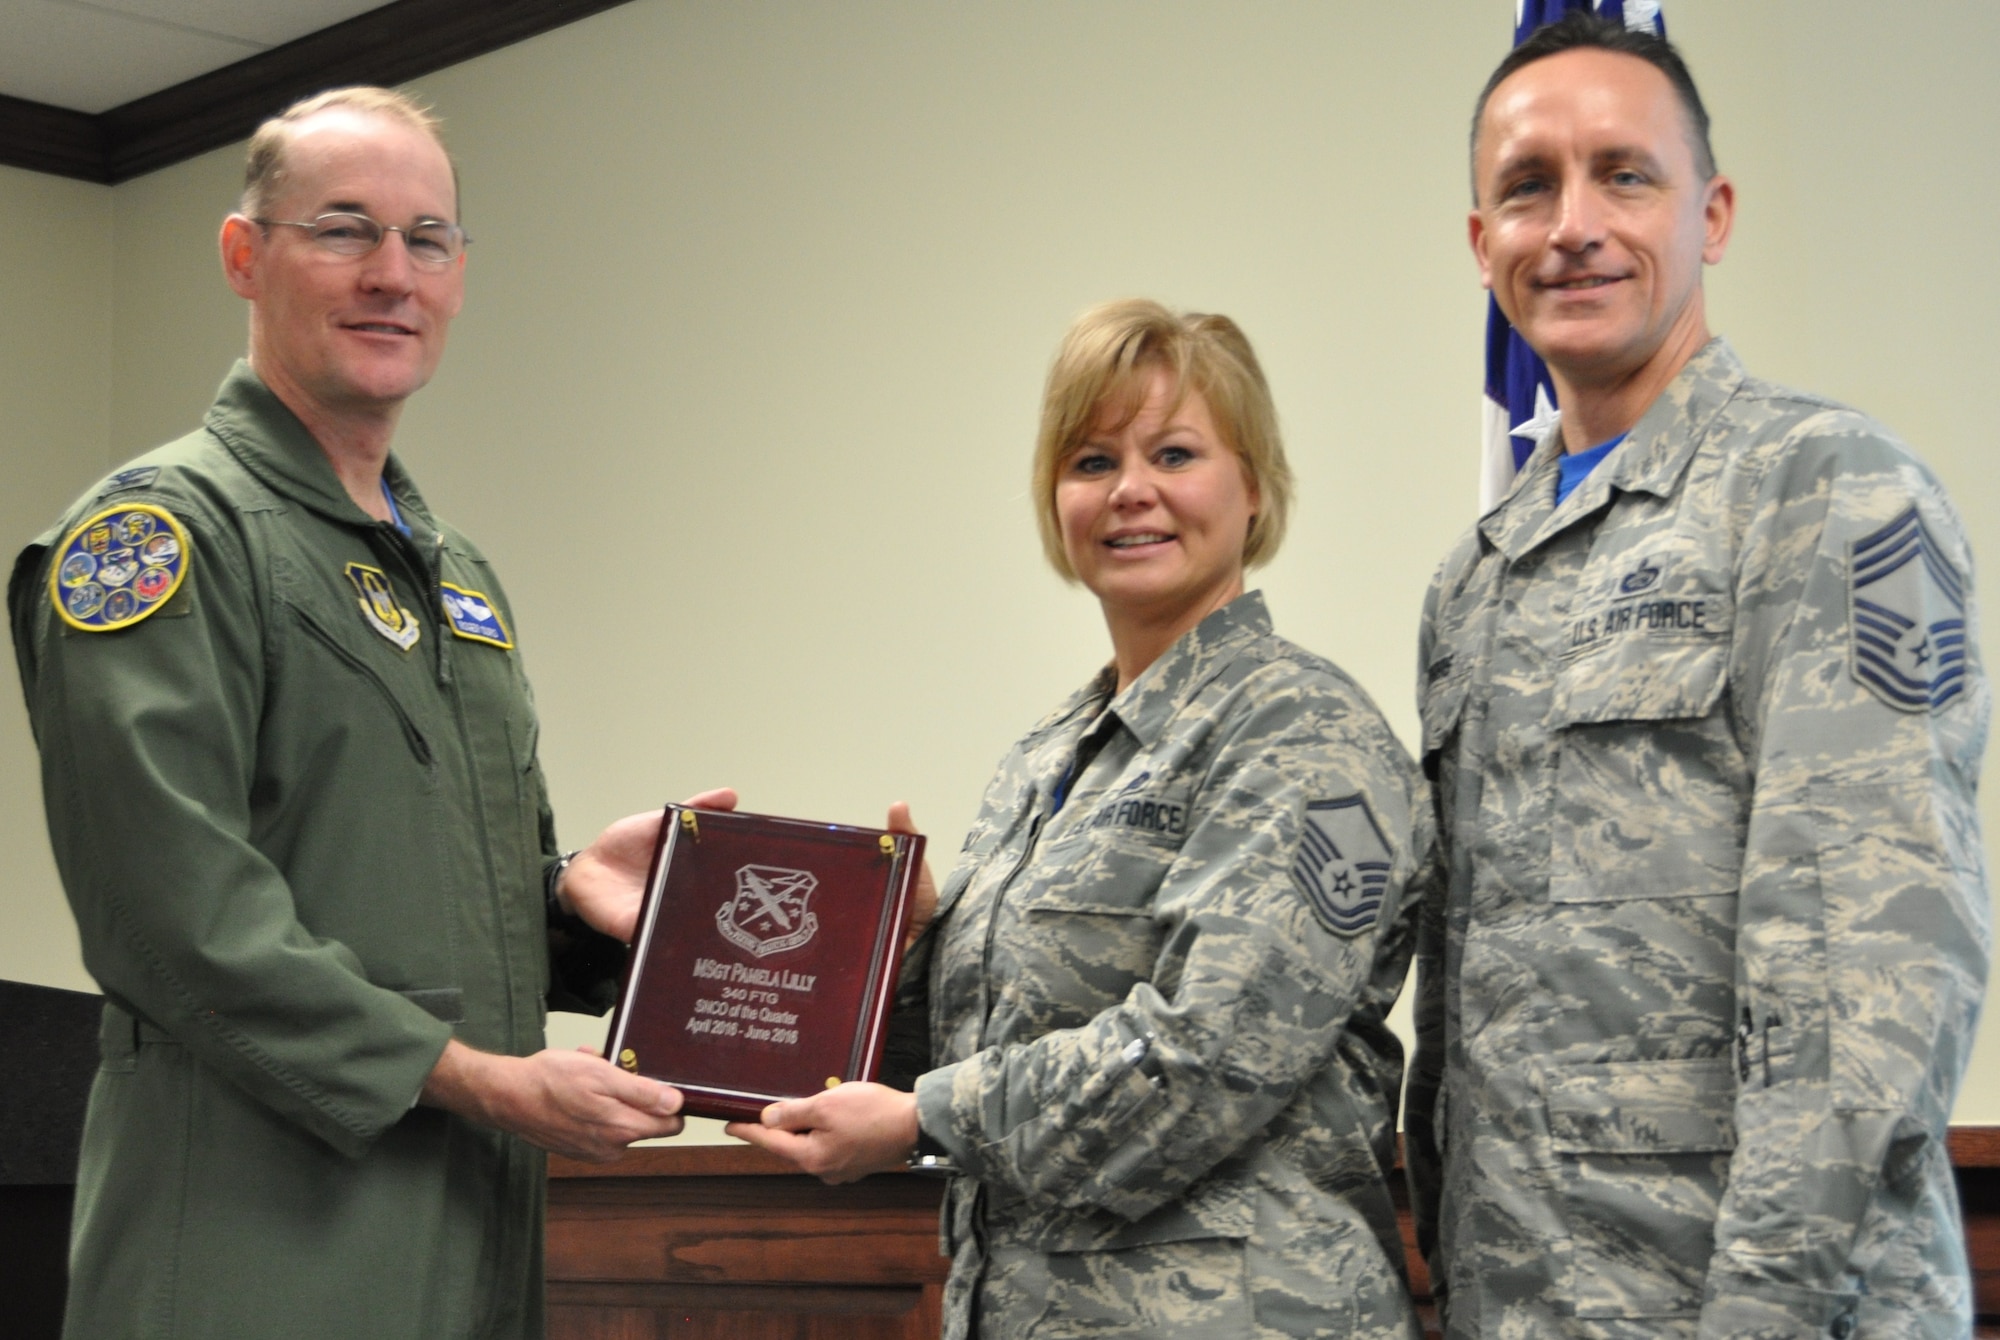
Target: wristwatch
x,y
930,1157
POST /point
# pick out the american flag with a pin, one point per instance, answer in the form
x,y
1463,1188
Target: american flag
x,y
1520,401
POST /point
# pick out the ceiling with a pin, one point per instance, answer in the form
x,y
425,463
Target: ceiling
x,y
108,90
93,55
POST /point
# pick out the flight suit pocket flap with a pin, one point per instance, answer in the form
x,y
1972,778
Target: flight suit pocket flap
x,y
1641,681
1643,1107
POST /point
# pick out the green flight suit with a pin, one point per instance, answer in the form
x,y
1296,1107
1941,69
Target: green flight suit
x,y
302,854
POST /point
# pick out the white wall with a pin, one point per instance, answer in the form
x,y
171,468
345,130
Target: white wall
x,y
55,368
762,296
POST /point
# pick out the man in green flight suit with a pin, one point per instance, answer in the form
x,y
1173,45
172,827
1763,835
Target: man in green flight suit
x,y
288,757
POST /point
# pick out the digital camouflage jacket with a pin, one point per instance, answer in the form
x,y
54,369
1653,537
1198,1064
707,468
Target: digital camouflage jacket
x,y
1702,985
1156,989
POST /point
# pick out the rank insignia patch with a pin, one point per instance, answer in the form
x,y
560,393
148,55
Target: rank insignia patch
x,y
135,478
1342,868
472,616
1906,616
118,567
379,607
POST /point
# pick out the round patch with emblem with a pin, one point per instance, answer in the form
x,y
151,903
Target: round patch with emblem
x,y
118,567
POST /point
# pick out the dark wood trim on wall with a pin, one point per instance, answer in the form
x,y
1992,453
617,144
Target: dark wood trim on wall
x,y
390,45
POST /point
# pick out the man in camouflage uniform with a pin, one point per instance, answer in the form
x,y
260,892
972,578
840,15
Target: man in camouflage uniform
x,y
1705,735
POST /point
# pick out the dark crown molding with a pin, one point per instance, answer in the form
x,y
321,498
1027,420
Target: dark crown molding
x,y
390,45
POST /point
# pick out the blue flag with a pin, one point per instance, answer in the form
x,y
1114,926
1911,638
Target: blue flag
x,y
1520,400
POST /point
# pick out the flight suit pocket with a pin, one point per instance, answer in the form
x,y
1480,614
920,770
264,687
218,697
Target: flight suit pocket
x,y
1649,783
330,685
1643,1150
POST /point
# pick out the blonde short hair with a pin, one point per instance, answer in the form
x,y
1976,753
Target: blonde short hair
x,y
264,166
1107,358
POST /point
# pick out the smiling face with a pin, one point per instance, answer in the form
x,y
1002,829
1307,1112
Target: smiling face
x,y
1593,222
1154,512
339,337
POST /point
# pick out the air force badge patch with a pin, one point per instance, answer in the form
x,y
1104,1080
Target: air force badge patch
x,y
1906,616
1342,868
118,567
472,616
379,607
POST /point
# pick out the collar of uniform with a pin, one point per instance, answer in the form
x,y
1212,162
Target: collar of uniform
x,y
1651,459
1150,701
1516,520
1655,454
261,431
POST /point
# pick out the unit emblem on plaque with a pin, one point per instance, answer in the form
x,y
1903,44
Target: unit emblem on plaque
x,y
768,914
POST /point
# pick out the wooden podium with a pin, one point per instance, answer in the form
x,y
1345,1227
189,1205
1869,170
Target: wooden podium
x,y
723,1242
720,1242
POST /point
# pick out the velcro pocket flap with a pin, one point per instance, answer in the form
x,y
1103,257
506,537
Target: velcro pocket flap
x,y
1643,1107
1638,681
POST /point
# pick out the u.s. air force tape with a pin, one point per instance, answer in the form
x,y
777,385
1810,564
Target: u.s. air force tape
x,y
121,565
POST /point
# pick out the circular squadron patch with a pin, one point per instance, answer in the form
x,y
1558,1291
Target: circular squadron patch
x,y
121,565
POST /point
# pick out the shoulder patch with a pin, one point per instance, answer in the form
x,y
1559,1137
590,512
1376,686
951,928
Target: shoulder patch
x,y
118,567
379,607
472,616
1906,616
1342,867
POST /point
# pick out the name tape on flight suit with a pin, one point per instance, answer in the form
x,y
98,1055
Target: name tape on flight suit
x,y
472,616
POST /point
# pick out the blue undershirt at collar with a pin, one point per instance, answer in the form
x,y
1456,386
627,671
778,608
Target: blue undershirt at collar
x,y
396,513
1573,468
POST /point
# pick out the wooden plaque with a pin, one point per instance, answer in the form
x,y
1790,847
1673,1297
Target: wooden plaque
x,y
765,959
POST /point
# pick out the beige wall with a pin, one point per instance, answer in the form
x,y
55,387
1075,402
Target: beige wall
x,y
762,295
55,369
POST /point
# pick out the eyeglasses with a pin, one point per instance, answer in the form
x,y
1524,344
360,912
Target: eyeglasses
x,y
430,243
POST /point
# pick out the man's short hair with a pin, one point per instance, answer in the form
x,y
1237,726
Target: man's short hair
x,y
264,167
1582,30
1107,360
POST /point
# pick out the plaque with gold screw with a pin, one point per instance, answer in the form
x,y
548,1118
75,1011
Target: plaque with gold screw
x,y
765,957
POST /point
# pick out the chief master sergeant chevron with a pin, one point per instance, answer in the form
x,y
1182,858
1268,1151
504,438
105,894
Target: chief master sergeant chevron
x,y
288,757
1706,733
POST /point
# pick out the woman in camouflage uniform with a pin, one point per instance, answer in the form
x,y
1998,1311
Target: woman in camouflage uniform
x,y
1149,1008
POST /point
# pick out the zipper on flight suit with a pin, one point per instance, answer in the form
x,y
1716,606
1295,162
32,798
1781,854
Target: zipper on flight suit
x,y
428,570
